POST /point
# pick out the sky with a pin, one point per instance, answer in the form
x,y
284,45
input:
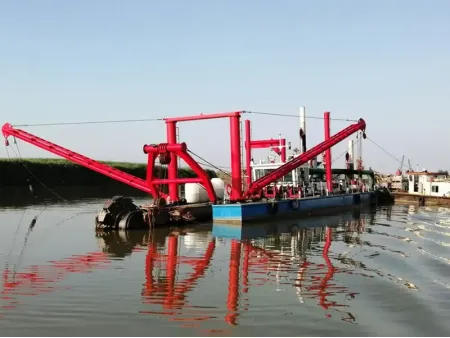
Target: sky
x,y
87,60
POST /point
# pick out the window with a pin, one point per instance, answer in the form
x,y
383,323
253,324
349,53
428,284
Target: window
x,y
410,178
435,188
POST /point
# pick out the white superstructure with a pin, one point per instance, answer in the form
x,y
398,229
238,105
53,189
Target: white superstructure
x,y
428,183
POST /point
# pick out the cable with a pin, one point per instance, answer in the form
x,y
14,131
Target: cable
x,y
209,163
345,152
297,116
162,119
211,166
87,122
387,152
37,179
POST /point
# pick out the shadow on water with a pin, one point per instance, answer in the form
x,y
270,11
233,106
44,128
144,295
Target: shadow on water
x,y
268,279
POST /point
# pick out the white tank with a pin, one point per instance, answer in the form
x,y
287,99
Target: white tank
x,y
196,193
219,187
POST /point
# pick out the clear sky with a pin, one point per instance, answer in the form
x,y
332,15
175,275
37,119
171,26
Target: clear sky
x,y
385,61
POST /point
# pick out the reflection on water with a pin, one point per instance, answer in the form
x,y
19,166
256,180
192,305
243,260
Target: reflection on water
x,y
379,272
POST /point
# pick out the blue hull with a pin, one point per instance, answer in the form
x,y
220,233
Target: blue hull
x,y
239,214
264,229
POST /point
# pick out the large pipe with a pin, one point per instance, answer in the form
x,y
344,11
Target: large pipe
x,y
328,174
302,130
236,169
172,170
248,152
351,153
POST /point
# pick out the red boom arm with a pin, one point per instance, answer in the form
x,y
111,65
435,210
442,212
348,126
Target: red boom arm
x,y
304,158
151,185
136,182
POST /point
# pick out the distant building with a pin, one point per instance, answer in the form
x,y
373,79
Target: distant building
x,y
428,183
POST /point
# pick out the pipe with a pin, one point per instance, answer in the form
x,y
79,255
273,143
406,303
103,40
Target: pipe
x,y
328,174
161,148
302,130
248,152
177,180
172,170
203,117
351,154
236,169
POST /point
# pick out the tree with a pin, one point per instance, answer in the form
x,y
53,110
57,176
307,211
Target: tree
x,y
443,172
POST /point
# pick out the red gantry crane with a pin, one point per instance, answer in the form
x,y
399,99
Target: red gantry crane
x,y
170,151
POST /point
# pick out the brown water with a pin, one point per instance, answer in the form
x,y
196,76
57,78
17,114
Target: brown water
x,y
384,273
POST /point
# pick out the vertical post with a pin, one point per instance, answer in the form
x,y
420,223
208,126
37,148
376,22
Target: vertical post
x,y
236,169
283,150
248,152
328,174
302,130
173,165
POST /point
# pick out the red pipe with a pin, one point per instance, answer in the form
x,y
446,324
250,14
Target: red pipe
x,y
279,146
178,180
233,282
236,170
265,143
203,117
326,121
173,165
161,148
286,168
248,152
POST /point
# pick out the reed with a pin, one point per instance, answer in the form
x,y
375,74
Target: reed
x,y
60,172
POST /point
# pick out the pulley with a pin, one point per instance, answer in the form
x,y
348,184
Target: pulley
x,y
164,158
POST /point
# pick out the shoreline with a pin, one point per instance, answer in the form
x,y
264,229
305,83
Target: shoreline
x,y
63,175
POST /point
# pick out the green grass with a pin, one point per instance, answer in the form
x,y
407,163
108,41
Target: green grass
x,y
56,172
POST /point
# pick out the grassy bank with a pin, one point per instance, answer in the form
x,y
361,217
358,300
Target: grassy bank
x,y
60,172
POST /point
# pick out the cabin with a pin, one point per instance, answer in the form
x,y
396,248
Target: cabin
x,y
428,183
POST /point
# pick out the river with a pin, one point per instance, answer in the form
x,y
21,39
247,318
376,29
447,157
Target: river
x,y
383,272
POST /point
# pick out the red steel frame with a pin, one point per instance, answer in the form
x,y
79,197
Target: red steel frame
x,y
279,146
235,145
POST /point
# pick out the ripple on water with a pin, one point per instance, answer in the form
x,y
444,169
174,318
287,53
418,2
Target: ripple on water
x,y
380,272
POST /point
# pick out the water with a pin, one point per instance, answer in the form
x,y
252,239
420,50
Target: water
x,y
385,273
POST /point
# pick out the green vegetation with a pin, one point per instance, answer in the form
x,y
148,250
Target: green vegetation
x,y
60,172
